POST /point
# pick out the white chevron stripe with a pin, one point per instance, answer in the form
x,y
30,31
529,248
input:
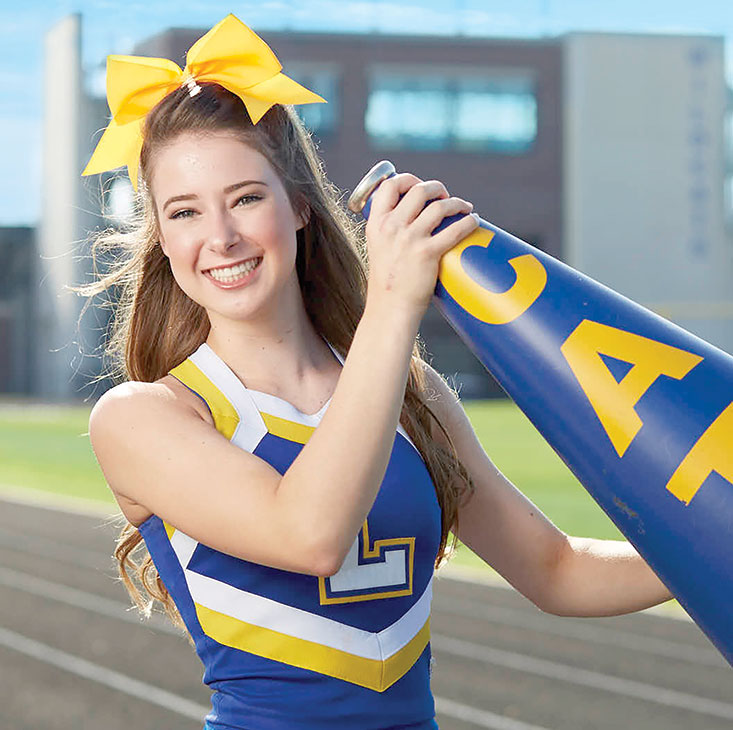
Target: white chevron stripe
x,y
183,546
269,614
248,403
282,409
251,428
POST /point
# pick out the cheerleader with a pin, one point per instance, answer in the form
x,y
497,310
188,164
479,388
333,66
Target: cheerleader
x,y
288,465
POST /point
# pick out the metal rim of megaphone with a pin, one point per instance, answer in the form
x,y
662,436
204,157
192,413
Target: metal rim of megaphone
x,y
381,171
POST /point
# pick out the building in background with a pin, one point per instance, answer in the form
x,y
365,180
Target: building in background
x,y
646,163
482,115
17,309
66,343
606,151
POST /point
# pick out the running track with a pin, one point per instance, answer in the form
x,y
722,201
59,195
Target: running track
x,y
72,657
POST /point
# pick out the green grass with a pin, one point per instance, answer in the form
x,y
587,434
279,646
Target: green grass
x,y
516,447
46,447
518,450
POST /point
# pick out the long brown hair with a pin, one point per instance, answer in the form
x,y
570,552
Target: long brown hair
x,y
156,326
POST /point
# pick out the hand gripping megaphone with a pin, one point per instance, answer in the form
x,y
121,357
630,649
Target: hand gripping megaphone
x,y
639,409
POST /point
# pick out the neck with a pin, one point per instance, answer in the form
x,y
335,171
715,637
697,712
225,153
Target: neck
x,y
277,349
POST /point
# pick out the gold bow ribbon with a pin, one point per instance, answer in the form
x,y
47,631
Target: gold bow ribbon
x,y
230,54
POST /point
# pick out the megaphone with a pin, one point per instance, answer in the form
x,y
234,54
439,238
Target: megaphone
x,y
639,409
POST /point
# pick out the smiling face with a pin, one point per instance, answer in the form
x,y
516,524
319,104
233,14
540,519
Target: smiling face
x,y
226,224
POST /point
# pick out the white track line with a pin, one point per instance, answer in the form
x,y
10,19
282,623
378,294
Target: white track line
x,y
97,673
464,649
84,600
117,610
51,549
184,707
573,629
30,497
482,718
582,677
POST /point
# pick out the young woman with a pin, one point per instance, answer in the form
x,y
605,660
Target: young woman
x,y
292,464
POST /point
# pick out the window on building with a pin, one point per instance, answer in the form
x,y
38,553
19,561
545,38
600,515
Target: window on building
x,y
456,111
319,118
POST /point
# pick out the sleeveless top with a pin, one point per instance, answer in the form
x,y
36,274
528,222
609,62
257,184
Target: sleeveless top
x,y
282,649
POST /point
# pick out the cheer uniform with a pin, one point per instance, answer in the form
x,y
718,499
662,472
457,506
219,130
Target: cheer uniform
x,y
284,650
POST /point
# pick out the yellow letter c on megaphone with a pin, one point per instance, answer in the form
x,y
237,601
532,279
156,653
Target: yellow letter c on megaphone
x,y
488,306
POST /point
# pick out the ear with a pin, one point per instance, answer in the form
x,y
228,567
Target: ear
x,y
163,246
303,217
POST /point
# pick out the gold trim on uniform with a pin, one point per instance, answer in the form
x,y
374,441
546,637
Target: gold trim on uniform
x,y
223,412
288,430
374,674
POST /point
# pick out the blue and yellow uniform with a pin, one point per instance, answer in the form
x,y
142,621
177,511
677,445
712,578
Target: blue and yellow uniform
x,y
282,649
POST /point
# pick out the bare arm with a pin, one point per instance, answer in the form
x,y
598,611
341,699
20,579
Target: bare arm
x,y
603,578
158,453
564,575
161,454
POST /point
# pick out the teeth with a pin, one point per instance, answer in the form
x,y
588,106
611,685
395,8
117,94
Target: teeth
x,y
232,273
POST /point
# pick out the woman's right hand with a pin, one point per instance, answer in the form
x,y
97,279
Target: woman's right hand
x,y
404,256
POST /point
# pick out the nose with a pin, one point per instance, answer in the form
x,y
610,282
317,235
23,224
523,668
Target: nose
x,y
222,233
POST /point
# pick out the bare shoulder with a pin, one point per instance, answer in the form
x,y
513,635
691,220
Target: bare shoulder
x,y
134,406
130,401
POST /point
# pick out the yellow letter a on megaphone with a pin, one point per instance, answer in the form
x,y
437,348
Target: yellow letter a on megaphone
x,y
614,401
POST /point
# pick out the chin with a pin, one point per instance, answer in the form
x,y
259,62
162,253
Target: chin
x,y
237,312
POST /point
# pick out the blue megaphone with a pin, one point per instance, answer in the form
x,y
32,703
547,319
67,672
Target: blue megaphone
x,y
639,409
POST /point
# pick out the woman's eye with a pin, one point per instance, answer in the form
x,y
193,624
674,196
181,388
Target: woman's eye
x,y
244,200
249,198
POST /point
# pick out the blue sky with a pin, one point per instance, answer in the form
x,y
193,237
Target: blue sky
x,y
114,26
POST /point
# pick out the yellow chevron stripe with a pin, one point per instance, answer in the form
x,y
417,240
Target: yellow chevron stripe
x,y
370,673
225,416
169,529
290,430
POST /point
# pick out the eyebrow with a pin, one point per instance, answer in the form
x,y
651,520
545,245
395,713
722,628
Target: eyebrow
x,y
227,189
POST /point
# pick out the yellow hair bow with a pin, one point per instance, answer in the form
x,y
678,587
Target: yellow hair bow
x,y
230,54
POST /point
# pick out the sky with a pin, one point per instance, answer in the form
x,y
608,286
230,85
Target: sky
x,y
115,26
